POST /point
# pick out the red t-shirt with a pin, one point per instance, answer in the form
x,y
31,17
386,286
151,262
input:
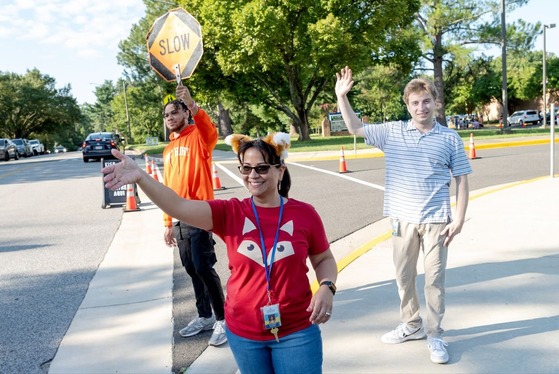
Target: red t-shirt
x,y
301,234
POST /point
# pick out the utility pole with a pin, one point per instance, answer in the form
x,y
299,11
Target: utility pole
x,y
504,68
127,115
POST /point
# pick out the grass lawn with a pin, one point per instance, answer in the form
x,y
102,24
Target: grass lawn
x,y
333,143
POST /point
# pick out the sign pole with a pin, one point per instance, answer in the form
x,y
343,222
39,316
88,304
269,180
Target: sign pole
x,y
552,141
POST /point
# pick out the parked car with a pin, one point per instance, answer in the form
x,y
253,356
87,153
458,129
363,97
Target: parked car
x,y
8,150
60,149
98,145
547,115
37,147
23,147
522,117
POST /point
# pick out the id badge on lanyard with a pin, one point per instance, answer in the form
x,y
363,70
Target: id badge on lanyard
x,y
271,312
272,319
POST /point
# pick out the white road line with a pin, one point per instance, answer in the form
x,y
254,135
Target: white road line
x,y
240,181
372,185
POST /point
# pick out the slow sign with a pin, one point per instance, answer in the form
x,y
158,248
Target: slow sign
x,y
175,39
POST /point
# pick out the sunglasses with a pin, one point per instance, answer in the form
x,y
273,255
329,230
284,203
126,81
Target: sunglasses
x,y
260,169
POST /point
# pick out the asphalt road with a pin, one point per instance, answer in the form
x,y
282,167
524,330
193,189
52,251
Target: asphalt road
x,y
54,234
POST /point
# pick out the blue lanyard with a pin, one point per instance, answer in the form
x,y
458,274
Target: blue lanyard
x,y
267,268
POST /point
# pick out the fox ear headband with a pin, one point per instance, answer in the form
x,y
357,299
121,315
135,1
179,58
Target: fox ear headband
x,y
280,141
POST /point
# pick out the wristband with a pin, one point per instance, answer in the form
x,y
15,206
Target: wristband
x,y
191,107
330,285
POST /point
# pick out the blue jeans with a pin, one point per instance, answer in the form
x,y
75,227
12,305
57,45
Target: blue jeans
x,y
300,352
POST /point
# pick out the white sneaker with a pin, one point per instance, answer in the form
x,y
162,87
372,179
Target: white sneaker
x,y
197,325
218,336
436,346
403,333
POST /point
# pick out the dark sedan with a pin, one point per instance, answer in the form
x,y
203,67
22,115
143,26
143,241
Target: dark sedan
x,y
98,145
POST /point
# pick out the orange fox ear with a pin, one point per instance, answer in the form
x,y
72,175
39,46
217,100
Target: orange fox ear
x,y
234,140
280,141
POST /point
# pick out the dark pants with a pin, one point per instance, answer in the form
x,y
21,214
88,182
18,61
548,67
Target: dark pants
x,y
196,249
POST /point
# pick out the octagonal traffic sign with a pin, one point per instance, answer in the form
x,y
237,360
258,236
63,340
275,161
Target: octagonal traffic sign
x,y
175,41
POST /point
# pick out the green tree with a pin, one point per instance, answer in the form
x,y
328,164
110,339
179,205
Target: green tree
x,y
100,114
31,106
446,27
380,93
283,54
143,123
472,86
552,71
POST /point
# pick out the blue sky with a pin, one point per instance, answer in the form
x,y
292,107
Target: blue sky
x,y
73,41
76,41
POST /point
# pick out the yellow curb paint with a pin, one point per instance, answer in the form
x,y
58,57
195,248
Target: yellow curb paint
x,y
520,143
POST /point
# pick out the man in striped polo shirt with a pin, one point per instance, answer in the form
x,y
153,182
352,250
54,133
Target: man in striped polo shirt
x,y
421,158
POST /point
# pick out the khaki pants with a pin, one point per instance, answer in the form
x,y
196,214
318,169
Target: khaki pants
x,y
407,242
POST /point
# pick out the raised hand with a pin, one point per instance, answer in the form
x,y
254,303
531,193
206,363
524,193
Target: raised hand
x,y
344,82
125,172
183,93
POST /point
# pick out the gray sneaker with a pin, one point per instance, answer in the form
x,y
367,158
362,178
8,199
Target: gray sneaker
x,y
403,333
197,325
218,336
436,346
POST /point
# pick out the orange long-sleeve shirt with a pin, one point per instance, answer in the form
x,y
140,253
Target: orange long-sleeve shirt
x,y
187,161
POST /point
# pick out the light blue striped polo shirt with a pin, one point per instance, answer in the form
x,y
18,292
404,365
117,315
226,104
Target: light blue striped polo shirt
x,y
419,168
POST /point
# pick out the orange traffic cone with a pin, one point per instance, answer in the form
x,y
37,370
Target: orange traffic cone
x,y
472,147
157,171
154,170
131,205
148,167
215,181
343,166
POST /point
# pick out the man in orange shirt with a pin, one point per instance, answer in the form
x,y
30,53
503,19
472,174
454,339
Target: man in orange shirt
x,y
187,163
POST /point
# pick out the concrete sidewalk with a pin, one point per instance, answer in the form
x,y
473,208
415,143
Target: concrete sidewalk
x,y
502,301
124,324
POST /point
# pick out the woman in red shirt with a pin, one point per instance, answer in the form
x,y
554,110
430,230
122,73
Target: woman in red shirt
x,y
271,315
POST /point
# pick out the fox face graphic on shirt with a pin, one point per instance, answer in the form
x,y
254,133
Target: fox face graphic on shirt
x,y
301,233
252,249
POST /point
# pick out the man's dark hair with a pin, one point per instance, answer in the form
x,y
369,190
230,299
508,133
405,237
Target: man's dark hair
x,y
179,105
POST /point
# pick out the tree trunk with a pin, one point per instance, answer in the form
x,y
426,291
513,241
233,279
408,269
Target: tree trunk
x,y
293,129
224,126
302,123
298,100
305,135
438,54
